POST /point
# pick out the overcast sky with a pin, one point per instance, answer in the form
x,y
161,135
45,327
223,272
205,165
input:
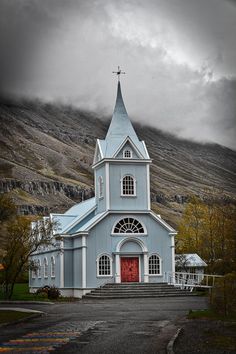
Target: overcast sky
x,y
179,56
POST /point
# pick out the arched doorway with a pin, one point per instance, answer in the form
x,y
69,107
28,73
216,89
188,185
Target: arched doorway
x,y
131,261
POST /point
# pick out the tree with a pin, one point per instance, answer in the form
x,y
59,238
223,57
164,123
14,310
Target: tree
x,y
208,227
21,241
7,208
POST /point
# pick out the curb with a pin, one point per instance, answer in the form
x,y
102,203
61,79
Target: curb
x,y
26,303
170,345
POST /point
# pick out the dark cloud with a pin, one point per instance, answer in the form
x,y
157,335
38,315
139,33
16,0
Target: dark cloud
x,y
179,55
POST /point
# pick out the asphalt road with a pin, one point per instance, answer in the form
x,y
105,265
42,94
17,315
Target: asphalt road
x,y
106,326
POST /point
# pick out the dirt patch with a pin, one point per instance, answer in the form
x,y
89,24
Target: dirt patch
x,y
206,336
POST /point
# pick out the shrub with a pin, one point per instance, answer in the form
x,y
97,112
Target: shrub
x,y
51,292
223,295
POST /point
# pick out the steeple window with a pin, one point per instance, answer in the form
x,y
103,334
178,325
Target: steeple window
x,y
128,186
127,154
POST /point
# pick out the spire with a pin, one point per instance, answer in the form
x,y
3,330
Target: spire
x,y
120,130
120,126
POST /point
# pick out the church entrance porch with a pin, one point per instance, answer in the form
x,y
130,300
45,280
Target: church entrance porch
x,y
129,269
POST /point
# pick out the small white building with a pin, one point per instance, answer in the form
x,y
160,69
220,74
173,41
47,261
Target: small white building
x,y
189,263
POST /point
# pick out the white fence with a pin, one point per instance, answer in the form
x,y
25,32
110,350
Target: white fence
x,y
190,280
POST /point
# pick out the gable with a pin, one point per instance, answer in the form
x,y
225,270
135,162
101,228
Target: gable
x,y
127,148
128,144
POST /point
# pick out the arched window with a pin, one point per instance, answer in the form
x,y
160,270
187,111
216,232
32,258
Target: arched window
x,y
45,267
39,268
128,226
128,186
100,186
104,265
154,265
127,154
34,269
53,267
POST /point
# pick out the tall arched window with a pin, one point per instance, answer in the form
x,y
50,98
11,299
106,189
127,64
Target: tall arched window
x,y
128,226
104,265
39,268
53,263
100,187
34,270
45,267
154,265
128,187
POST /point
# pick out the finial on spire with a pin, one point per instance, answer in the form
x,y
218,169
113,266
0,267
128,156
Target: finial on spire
x,y
118,72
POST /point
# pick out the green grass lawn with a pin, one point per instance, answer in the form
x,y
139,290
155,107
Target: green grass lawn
x,y
210,315
21,293
7,316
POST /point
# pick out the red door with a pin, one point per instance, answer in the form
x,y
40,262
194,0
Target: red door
x,y
129,269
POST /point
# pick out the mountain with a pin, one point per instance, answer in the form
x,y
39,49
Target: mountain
x,y
47,153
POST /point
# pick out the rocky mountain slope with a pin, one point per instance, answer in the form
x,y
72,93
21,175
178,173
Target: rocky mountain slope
x,y
47,152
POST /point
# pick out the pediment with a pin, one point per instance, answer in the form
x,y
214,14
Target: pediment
x,y
128,150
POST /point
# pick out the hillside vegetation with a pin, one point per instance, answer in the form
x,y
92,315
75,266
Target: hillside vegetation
x,y
47,153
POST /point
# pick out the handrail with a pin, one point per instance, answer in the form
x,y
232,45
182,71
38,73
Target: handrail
x,y
191,280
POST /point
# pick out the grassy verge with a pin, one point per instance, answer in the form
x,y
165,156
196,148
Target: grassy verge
x,y
21,293
210,332
7,316
210,315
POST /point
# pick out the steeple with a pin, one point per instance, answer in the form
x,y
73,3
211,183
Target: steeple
x,y
120,131
120,126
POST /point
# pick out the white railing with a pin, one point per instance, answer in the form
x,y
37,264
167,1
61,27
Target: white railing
x,y
190,280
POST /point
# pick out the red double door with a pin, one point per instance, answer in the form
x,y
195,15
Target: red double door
x,y
129,269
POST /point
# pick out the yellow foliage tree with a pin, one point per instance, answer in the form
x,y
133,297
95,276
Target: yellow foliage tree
x,y
20,242
208,227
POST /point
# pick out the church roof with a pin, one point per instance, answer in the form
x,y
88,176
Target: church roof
x,y
120,128
71,217
81,208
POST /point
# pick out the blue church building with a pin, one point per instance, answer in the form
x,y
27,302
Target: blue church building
x,y
114,237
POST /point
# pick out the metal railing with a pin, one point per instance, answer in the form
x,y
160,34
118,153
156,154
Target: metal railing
x,y
190,280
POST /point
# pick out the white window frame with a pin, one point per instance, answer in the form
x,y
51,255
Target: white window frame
x,y
160,266
45,267
39,269
124,153
100,187
129,233
110,260
53,267
122,183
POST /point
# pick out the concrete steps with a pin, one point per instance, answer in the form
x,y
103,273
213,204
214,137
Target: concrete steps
x,y
136,290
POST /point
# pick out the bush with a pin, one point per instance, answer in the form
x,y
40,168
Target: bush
x,y
223,295
51,292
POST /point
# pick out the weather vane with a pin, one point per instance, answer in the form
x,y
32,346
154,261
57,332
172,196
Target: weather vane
x,y
118,72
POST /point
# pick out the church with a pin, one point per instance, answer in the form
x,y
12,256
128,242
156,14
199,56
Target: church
x,y
114,237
